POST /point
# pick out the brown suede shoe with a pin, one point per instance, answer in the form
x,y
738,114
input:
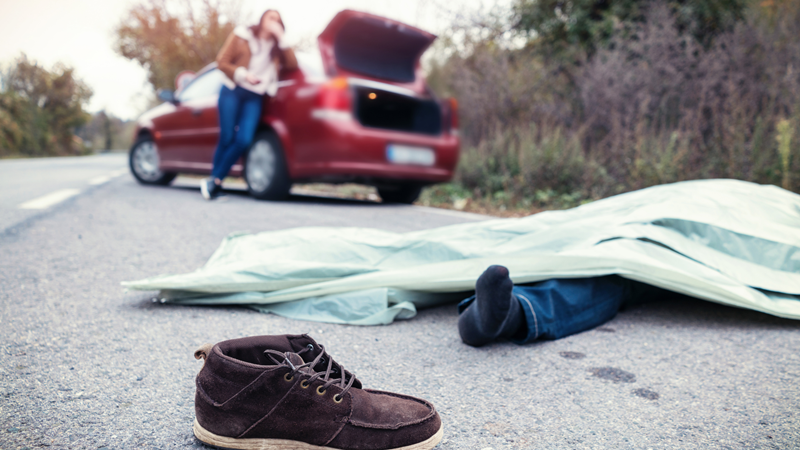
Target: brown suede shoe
x,y
286,392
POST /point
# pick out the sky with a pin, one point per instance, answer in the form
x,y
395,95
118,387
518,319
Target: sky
x,y
80,33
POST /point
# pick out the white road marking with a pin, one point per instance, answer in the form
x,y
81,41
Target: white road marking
x,y
50,199
100,180
106,178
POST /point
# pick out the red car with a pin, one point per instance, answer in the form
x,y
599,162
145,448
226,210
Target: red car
x,y
359,111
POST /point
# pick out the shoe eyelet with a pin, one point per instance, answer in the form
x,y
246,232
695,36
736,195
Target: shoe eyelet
x,y
304,384
320,391
310,347
287,377
339,397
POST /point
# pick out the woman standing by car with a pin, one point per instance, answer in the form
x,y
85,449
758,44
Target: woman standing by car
x,y
251,58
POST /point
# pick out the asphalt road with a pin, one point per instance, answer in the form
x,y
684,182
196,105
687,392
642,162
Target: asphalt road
x,y
84,364
29,186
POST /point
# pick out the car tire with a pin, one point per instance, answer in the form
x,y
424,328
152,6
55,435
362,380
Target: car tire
x,y
265,168
143,161
402,193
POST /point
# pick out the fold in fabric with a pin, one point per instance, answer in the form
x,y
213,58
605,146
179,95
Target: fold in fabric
x,y
726,241
370,307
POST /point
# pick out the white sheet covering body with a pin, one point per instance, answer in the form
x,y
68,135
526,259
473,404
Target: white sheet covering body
x,y
726,241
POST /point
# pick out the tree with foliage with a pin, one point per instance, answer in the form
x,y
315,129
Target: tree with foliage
x,y
40,109
566,27
105,131
166,37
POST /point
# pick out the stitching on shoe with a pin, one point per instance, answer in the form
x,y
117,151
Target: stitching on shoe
x,y
249,387
279,403
203,393
207,373
244,389
270,411
229,359
218,379
430,415
392,427
344,421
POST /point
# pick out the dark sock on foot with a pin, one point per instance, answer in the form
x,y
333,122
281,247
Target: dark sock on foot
x,y
495,312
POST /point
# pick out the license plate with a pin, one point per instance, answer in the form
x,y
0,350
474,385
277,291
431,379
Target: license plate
x,y
406,154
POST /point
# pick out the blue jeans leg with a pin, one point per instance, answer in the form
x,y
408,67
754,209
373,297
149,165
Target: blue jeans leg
x,y
227,108
561,307
238,108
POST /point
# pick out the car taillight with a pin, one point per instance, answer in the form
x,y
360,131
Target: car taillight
x,y
453,115
335,94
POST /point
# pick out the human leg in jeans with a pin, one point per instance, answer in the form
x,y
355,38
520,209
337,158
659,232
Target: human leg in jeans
x,y
239,114
549,309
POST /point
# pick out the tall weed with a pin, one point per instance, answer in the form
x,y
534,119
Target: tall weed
x,y
784,138
654,107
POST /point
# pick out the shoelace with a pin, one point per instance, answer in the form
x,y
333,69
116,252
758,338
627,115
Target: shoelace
x,y
325,376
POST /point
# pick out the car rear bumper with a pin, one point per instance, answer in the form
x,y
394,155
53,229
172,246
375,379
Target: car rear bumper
x,y
365,172
354,152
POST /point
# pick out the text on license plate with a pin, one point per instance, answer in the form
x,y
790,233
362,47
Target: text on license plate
x,y
407,154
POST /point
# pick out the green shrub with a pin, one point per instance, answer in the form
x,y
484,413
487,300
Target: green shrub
x,y
654,104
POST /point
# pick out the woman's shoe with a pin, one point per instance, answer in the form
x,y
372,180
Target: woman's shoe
x,y
209,188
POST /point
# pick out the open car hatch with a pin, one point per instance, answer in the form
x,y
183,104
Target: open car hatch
x,y
362,44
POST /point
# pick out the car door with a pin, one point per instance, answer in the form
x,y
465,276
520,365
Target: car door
x,y
189,136
294,103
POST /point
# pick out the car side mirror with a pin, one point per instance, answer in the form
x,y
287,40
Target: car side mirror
x,y
166,95
183,79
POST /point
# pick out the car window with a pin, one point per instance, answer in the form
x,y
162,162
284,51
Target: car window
x,y
205,85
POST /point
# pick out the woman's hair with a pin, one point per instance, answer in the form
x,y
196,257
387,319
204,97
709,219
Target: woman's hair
x,y
256,29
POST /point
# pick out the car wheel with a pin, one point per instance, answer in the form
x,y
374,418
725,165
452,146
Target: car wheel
x,y
144,161
265,168
403,193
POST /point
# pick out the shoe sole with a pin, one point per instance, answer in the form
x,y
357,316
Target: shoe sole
x,y
212,439
204,190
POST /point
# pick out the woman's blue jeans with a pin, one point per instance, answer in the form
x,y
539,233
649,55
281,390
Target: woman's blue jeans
x,y
560,307
239,114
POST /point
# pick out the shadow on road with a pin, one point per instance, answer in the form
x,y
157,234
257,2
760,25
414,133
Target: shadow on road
x,y
687,312
293,198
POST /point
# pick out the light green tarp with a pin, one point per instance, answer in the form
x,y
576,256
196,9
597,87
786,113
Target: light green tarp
x,y
725,241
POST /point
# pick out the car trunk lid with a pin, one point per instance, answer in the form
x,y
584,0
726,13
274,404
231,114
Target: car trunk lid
x,y
361,44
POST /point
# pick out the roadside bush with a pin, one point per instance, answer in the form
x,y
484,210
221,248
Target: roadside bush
x,y
663,100
513,161
40,109
654,105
